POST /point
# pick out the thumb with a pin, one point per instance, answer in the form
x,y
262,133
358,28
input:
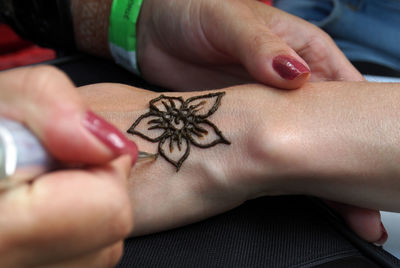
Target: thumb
x,y
47,102
265,56
365,222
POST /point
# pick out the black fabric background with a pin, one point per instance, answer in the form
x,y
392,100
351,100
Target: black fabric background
x,y
267,232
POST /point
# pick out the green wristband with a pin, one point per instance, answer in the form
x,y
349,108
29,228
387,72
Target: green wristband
x,y
122,32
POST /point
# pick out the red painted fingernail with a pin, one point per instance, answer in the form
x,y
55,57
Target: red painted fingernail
x,y
288,67
110,136
383,237
268,2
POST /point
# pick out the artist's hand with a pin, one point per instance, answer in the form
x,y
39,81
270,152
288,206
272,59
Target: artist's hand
x,y
276,149
72,218
209,44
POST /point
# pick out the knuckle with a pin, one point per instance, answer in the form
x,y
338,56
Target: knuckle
x,y
259,41
319,45
41,74
266,43
122,219
113,255
40,79
50,94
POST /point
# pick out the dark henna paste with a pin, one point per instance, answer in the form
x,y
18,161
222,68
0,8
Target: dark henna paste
x,y
181,123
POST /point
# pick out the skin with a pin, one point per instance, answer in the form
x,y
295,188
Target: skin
x,y
39,227
278,141
221,43
334,140
31,236
188,45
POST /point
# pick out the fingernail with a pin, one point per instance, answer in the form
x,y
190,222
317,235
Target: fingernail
x,y
110,136
288,67
383,237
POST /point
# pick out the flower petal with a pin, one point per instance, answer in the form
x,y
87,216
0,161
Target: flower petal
x,y
205,105
206,134
174,151
165,103
149,126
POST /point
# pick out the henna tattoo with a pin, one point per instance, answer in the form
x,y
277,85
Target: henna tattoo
x,y
180,124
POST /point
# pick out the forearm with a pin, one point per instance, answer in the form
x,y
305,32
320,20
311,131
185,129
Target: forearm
x,y
91,19
210,180
344,138
338,141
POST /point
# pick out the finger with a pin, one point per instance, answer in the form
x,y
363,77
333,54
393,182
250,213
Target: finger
x,y
197,77
366,223
65,214
266,57
108,257
325,59
46,101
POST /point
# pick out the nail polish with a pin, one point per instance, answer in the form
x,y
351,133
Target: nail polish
x,y
383,237
288,67
110,136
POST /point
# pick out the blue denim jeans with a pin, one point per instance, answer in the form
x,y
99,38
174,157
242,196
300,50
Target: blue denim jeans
x,y
366,30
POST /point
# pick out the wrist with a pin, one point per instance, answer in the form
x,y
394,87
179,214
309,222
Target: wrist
x,y
259,160
91,20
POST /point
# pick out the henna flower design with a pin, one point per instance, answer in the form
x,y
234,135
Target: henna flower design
x,y
177,124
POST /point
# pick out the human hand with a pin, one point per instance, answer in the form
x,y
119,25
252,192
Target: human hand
x,y
222,43
71,217
268,155
211,44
